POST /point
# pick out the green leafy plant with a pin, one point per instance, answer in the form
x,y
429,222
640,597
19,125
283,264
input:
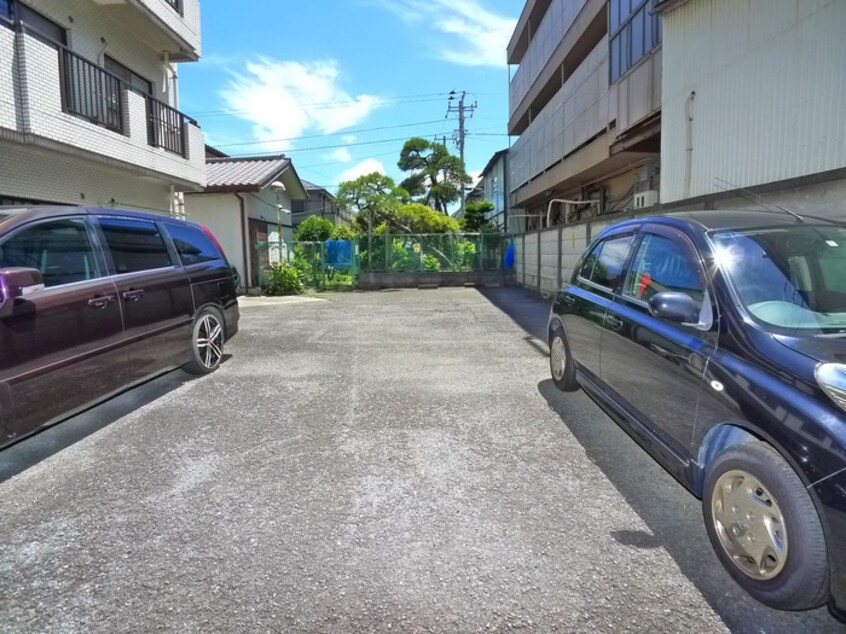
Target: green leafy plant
x,y
283,279
314,229
431,263
344,232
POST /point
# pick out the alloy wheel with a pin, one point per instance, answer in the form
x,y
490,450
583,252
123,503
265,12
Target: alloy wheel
x,y
209,341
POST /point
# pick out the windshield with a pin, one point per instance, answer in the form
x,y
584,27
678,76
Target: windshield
x,y
791,280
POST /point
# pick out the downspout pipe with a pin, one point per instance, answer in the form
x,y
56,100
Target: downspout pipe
x,y
688,159
245,240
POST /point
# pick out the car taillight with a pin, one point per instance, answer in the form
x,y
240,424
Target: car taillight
x,y
831,377
214,239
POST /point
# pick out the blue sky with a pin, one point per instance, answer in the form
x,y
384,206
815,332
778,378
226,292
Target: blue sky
x,y
338,85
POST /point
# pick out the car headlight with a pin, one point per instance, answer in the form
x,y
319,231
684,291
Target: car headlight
x,y
831,377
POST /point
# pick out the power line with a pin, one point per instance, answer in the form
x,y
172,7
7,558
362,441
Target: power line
x,y
435,96
329,147
330,134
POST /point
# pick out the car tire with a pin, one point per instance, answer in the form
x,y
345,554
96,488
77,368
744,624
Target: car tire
x,y
207,337
562,367
764,527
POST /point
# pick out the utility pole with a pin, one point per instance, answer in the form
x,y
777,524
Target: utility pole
x,y
459,136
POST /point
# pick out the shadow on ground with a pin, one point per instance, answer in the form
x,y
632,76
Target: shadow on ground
x,y
672,514
33,449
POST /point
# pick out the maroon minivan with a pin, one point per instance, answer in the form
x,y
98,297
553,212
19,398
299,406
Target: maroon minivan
x,y
93,301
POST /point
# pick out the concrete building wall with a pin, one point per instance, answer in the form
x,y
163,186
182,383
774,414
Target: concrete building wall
x,y
770,93
34,173
222,214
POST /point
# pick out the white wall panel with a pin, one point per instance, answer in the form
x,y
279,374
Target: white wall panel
x,y
770,86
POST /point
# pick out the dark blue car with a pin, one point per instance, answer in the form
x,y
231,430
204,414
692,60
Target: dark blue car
x,y
717,340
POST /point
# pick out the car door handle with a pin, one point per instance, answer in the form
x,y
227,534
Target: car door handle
x,y
133,295
614,323
101,302
569,300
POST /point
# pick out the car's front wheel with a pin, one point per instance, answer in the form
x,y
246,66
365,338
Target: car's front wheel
x,y
206,342
765,528
561,363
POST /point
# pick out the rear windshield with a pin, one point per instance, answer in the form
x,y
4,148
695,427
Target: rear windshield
x,y
791,280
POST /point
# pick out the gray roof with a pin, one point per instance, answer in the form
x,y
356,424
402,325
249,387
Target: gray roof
x,y
243,173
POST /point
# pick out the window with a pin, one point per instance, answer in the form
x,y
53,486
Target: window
x,y
662,264
135,245
605,262
59,249
132,79
192,245
15,11
634,31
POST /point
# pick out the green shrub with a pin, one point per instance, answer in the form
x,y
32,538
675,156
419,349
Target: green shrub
x,y
283,279
344,232
431,263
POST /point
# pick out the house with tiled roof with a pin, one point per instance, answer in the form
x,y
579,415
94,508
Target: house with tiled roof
x,y
247,203
321,203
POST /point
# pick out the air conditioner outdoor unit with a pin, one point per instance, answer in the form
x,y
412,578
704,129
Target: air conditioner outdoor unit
x,y
645,199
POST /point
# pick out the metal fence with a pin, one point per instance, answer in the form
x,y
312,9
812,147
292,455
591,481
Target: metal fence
x,y
336,264
436,252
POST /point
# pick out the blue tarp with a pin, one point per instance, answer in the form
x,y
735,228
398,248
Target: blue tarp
x,y
339,254
509,256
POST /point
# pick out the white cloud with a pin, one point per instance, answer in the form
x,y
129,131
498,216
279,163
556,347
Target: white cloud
x,y
342,155
367,166
474,36
283,99
349,138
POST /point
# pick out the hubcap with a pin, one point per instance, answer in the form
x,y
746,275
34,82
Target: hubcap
x,y
209,341
749,524
557,357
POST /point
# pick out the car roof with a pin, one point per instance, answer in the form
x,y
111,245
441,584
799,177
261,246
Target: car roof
x,y
34,212
718,219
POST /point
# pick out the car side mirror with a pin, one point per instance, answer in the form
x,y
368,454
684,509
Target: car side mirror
x,y
673,306
17,282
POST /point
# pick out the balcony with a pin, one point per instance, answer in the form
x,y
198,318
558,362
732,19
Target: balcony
x,y
575,115
566,35
65,99
164,25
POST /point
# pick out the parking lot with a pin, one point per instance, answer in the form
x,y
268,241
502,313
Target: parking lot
x,y
387,461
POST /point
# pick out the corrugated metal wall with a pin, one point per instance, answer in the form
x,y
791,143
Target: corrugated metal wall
x,y
770,83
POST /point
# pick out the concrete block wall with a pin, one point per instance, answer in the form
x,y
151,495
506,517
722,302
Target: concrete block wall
x,y
552,254
42,115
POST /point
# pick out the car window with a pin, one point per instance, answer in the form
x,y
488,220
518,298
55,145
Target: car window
x,y
192,245
61,250
135,245
663,264
605,263
790,279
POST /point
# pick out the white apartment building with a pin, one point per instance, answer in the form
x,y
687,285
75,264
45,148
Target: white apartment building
x,y
584,102
89,103
754,98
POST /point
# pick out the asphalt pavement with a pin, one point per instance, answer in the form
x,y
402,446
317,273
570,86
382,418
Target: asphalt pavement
x,y
386,462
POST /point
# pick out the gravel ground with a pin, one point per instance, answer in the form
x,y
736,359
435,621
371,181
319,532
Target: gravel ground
x,y
390,462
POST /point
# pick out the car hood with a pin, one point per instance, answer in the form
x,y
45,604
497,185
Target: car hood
x,y
822,349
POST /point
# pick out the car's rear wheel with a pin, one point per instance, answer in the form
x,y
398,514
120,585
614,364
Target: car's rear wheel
x,y
206,342
765,528
561,363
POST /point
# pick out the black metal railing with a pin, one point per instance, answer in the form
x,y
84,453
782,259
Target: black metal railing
x,y
166,127
91,92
